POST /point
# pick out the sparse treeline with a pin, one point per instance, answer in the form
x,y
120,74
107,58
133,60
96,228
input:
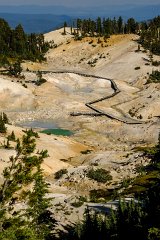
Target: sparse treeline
x,y
150,35
149,31
15,43
105,27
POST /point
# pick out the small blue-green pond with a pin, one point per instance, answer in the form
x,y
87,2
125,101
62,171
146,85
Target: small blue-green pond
x,y
47,127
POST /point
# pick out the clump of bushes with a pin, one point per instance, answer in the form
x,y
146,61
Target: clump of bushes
x,y
138,49
137,68
3,120
100,175
40,79
12,137
80,201
60,173
15,69
93,62
24,85
86,151
91,42
78,38
126,182
156,63
154,77
103,195
6,144
140,117
4,61
131,112
31,133
77,204
99,41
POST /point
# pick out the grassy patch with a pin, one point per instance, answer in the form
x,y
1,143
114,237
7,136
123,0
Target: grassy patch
x,y
142,183
103,195
148,175
58,131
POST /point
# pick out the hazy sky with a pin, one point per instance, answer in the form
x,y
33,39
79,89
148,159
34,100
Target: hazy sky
x,y
78,2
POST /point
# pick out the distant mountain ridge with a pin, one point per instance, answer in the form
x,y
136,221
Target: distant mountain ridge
x,y
139,12
47,18
38,23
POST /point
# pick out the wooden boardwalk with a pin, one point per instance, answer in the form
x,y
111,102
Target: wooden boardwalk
x,y
96,111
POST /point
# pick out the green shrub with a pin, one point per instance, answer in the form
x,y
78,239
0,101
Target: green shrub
x,y
78,38
137,68
6,144
154,77
24,85
15,69
142,183
153,233
86,151
31,133
79,202
99,41
126,182
4,61
156,63
12,137
5,118
82,199
131,112
40,79
3,128
140,169
60,173
91,42
100,175
140,117
101,195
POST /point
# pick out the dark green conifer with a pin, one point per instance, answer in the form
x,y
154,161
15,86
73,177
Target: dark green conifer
x,y
35,221
3,128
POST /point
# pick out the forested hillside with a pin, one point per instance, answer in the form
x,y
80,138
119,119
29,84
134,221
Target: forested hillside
x,y
149,31
150,35
16,43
